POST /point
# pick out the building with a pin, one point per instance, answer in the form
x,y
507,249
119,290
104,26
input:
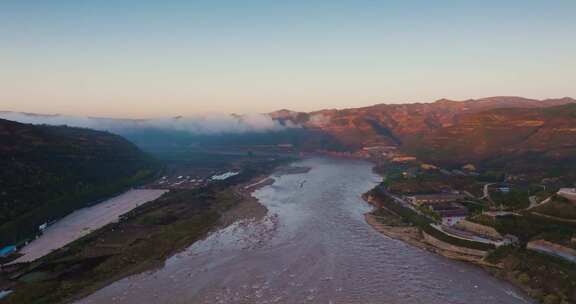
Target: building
x,y
452,217
504,189
6,251
450,213
437,198
498,214
568,193
43,227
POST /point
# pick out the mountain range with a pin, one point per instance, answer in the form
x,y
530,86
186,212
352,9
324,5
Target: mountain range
x,y
488,130
47,170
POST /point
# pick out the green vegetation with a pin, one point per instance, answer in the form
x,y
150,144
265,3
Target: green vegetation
x,y
456,241
408,215
496,255
474,206
386,217
550,279
514,200
423,223
491,176
430,213
557,207
527,227
48,172
414,185
483,220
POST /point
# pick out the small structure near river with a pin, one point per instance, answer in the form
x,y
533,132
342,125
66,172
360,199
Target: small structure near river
x,y
8,250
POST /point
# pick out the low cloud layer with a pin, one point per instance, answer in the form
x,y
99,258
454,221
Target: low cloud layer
x,y
208,124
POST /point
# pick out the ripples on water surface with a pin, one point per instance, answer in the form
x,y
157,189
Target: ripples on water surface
x,y
312,247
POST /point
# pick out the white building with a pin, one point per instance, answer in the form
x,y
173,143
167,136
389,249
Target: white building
x,y
568,193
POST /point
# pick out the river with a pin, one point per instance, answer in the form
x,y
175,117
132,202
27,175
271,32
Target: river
x,y
83,221
313,246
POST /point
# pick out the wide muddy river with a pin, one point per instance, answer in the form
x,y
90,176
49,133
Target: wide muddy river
x,y
313,246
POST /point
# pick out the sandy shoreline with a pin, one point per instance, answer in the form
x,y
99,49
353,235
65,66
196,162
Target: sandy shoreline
x,y
250,208
412,236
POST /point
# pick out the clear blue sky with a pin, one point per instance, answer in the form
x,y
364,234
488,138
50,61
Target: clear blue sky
x,y
156,58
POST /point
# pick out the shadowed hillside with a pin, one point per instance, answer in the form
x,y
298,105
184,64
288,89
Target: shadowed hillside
x,y
46,172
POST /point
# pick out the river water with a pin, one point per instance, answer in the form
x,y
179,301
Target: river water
x,y
83,221
313,246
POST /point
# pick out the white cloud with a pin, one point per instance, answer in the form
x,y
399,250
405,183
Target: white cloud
x,y
206,124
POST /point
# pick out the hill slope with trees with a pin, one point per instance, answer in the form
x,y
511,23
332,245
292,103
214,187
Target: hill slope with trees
x,y
47,172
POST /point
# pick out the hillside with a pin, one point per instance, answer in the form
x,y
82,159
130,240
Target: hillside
x,y
491,131
393,123
533,137
48,171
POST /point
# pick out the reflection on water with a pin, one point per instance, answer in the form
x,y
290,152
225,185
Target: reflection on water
x,y
312,247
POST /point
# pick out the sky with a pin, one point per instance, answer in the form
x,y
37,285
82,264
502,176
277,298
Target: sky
x,y
127,58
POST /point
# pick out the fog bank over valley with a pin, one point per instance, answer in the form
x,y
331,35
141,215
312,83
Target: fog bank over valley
x,y
210,124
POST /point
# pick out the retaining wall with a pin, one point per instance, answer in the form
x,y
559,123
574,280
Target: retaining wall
x,y
449,247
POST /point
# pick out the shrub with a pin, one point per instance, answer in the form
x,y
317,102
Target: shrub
x,y
524,278
551,299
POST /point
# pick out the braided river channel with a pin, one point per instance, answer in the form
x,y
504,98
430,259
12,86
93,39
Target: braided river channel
x,y
311,246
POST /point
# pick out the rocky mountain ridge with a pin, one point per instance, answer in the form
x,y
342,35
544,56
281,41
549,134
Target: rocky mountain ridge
x,y
502,132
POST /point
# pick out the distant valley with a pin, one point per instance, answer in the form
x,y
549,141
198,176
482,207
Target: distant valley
x,y
489,132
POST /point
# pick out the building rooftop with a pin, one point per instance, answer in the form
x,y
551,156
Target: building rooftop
x,y
7,250
449,209
568,193
452,213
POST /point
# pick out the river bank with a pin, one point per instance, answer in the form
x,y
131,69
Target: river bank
x,y
413,236
498,264
140,242
312,246
83,221
250,208
545,277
